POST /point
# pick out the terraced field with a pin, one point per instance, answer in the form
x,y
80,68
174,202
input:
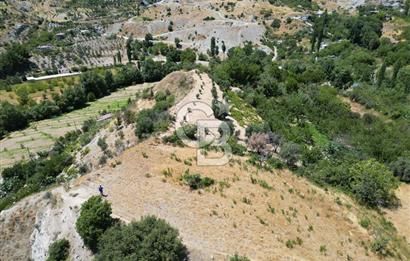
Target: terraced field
x,y
41,135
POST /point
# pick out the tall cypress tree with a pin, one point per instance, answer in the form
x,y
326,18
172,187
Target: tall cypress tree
x,y
213,45
128,48
381,75
396,68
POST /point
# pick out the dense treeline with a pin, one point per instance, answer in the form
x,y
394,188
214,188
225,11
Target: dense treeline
x,y
92,86
294,3
334,145
102,3
14,60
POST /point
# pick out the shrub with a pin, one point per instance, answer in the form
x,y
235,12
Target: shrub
x,y
220,109
102,144
95,218
365,222
237,149
237,257
149,239
195,181
380,246
290,152
401,169
257,142
59,250
373,183
276,23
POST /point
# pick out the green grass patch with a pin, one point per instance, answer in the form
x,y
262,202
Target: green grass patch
x,y
241,111
318,138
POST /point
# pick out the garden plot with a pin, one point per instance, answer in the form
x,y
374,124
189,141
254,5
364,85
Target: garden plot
x,y
94,51
41,135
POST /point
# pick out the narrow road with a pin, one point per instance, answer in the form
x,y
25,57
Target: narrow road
x,y
30,78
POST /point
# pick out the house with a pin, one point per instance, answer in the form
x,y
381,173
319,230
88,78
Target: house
x,y
60,36
45,48
19,28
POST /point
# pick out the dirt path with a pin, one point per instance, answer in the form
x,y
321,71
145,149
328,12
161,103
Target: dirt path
x,y
401,216
358,108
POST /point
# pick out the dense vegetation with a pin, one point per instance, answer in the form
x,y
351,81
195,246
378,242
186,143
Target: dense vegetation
x,y
93,84
333,145
14,60
43,169
149,121
148,239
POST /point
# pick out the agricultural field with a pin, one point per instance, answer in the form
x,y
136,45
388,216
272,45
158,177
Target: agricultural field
x,y
37,90
41,135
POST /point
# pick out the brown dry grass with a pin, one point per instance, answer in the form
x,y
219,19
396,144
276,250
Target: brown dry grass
x,y
401,216
218,222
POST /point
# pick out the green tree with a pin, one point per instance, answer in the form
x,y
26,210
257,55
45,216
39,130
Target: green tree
x,y
14,59
401,168
372,183
59,250
276,23
213,47
72,98
150,239
381,74
188,55
396,68
95,218
177,43
152,71
109,80
128,47
93,83
23,96
321,30
147,43
290,152
119,57
8,115
403,78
